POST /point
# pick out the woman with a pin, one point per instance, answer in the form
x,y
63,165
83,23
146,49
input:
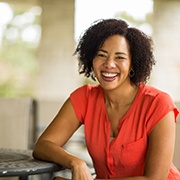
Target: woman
x,y
129,126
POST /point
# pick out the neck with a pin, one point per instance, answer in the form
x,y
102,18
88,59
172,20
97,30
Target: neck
x,y
121,97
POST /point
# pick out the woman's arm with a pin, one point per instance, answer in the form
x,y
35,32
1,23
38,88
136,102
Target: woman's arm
x,y
49,145
158,159
160,151
161,148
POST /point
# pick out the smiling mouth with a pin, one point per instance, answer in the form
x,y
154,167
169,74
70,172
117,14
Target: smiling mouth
x,y
109,76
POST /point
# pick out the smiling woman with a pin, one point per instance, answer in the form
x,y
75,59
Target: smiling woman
x,y
129,126
94,38
112,62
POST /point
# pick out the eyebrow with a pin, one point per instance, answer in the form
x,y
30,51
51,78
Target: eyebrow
x,y
115,53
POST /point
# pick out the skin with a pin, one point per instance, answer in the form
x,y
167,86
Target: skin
x,y
113,59
111,66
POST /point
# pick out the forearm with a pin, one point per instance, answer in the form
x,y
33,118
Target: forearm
x,y
48,151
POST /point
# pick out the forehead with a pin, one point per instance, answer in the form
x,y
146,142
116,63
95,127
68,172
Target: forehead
x,y
116,43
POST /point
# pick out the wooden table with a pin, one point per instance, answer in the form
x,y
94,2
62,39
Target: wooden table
x,y
21,163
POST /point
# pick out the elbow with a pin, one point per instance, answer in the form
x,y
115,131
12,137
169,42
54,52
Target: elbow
x,y
42,149
34,155
37,152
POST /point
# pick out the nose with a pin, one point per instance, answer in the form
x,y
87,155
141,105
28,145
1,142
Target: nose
x,y
109,63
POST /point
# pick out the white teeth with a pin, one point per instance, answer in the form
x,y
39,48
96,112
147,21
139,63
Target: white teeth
x,y
109,74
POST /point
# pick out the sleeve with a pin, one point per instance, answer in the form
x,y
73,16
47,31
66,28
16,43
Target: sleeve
x,y
161,105
79,100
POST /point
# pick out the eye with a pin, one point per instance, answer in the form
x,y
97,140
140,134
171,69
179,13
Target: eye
x,y
101,55
119,57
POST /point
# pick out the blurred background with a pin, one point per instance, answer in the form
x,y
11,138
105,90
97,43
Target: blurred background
x,y
38,39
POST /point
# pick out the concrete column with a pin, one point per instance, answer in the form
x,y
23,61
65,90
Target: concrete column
x,y
166,74
57,67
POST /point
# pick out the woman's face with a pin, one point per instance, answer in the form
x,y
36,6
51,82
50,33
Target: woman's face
x,y
112,63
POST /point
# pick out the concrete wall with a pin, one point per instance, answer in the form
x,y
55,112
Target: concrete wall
x,y
166,28
57,67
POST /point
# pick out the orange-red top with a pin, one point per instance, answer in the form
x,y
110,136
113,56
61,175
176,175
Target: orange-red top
x,y
124,156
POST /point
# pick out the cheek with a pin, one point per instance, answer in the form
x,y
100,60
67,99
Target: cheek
x,y
125,65
95,63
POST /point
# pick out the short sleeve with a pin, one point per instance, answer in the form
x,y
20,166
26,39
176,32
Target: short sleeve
x,y
161,105
79,101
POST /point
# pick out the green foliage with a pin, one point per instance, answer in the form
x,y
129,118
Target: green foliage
x,y
18,62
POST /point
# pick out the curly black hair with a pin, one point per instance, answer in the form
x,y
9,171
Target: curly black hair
x,y
141,47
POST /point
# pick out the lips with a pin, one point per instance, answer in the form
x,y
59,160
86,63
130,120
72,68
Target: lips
x,y
109,76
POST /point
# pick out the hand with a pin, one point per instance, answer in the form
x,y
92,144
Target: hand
x,y
80,171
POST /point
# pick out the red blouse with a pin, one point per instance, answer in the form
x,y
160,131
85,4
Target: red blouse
x,y
124,156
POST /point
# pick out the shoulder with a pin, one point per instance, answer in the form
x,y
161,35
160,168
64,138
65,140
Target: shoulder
x,y
86,90
156,100
155,105
83,98
154,94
